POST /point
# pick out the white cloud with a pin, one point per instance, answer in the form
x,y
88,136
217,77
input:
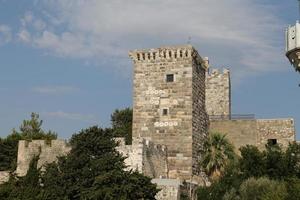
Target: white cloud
x,y
24,36
243,34
5,34
54,90
70,116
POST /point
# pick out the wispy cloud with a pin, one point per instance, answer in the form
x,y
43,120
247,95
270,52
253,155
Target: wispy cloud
x,y
54,90
106,30
5,34
70,116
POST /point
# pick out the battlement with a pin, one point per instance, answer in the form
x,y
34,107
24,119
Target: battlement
x,y
217,72
47,150
165,54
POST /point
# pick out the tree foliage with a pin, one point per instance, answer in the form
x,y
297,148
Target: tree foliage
x,y
217,154
122,124
29,130
269,174
93,169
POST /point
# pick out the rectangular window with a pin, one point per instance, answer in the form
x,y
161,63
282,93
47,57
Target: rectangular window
x,y
170,78
165,111
272,141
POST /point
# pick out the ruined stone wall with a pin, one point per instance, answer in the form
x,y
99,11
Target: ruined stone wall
x,y
145,156
48,152
170,189
153,95
4,176
283,130
256,132
218,93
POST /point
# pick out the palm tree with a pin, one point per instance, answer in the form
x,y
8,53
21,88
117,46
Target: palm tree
x,y
218,151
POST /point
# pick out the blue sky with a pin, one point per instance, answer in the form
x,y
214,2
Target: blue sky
x,y
68,59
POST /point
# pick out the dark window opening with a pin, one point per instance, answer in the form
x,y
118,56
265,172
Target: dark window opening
x,y
165,111
272,141
170,77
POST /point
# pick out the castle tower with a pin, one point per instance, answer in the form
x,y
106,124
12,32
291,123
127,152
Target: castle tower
x,y
218,94
169,104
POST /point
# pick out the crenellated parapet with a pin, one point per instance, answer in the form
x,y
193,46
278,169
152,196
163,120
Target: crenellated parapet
x,y
168,54
47,150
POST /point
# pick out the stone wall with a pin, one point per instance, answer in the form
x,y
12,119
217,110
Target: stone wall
x,y
256,132
170,189
48,152
4,176
144,156
283,130
218,93
200,117
163,110
239,132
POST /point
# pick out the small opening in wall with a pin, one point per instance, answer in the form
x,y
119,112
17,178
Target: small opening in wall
x,y
175,54
154,55
170,78
170,54
149,56
138,56
165,111
186,53
165,54
143,54
180,53
272,141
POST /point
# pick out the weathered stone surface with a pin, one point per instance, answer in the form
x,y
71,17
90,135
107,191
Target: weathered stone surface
x,y
239,132
4,176
145,156
218,93
184,128
256,132
283,130
48,152
170,189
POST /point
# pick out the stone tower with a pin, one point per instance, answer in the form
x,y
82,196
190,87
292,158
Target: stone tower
x,y
218,94
169,104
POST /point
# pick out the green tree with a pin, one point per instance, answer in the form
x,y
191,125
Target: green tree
x,y
27,187
217,154
29,130
275,162
293,188
122,124
252,162
94,170
262,189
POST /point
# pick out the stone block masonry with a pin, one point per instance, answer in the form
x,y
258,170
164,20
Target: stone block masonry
x,y
145,156
48,151
169,104
218,93
256,132
281,131
4,176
